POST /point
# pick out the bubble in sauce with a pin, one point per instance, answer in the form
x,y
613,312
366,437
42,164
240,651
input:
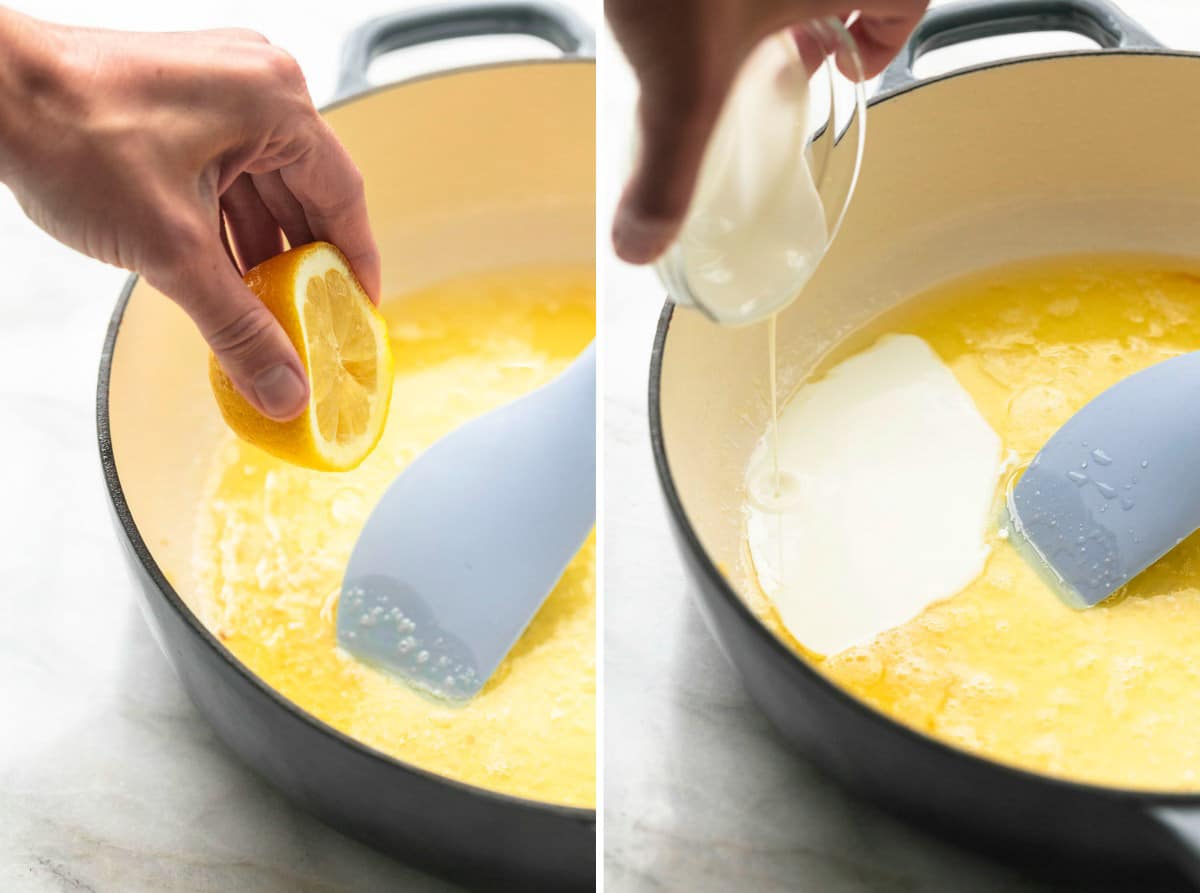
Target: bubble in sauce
x,y
346,506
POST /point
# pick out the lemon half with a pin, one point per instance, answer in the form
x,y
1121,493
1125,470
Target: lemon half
x,y
343,343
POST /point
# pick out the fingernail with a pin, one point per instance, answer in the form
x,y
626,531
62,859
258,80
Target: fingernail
x,y
638,240
280,391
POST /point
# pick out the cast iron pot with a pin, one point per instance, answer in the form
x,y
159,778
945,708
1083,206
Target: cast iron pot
x,y
465,171
1088,151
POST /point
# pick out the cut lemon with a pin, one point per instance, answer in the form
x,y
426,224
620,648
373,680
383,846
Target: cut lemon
x,y
342,341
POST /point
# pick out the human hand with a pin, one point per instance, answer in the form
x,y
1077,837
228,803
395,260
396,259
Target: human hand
x,y
135,148
686,54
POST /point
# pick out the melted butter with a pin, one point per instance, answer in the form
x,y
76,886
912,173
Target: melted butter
x,y
1110,695
273,541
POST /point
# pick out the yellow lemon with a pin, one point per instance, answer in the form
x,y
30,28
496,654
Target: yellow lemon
x,y
343,343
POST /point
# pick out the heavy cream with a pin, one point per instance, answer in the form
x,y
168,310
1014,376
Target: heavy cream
x,y
756,229
887,474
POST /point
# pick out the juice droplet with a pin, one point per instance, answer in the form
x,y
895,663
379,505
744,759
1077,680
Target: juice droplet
x,y
1101,457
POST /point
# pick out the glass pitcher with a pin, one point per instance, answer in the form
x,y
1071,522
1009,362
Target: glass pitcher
x,y
776,179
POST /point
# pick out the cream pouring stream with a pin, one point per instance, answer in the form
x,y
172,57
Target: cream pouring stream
x,y
756,229
758,226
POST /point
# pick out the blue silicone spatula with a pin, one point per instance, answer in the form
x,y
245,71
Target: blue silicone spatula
x,y
1118,486
465,545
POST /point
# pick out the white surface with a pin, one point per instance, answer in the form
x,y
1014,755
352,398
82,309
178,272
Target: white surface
x,y
700,793
109,780
888,456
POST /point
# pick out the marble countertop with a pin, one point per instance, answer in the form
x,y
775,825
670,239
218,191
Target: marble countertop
x,y
700,793
110,782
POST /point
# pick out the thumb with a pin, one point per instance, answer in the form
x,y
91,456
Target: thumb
x,y
251,346
677,114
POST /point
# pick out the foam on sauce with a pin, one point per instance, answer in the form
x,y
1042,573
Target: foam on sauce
x,y
273,541
1110,695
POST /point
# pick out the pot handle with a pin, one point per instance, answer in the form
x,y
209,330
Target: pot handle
x,y
537,18
1182,827
1099,20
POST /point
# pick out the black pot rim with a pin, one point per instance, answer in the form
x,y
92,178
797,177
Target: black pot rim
x,y
934,746
572,814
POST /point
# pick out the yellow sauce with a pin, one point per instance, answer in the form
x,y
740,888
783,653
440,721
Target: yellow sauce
x,y
273,541
1110,695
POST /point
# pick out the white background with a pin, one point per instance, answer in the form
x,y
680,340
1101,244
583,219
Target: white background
x,y
109,780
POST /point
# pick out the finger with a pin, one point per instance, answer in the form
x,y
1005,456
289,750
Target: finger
x,y
330,189
811,45
225,35
677,113
254,231
880,37
248,341
288,212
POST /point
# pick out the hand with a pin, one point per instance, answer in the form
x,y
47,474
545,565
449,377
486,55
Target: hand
x,y
135,148
686,54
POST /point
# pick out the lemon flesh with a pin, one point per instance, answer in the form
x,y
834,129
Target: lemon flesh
x,y
342,341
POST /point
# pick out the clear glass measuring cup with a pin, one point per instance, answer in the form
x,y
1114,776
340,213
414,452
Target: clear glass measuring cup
x,y
776,179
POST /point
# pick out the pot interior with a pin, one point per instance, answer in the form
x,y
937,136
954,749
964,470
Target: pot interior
x,y
475,170
1058,155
